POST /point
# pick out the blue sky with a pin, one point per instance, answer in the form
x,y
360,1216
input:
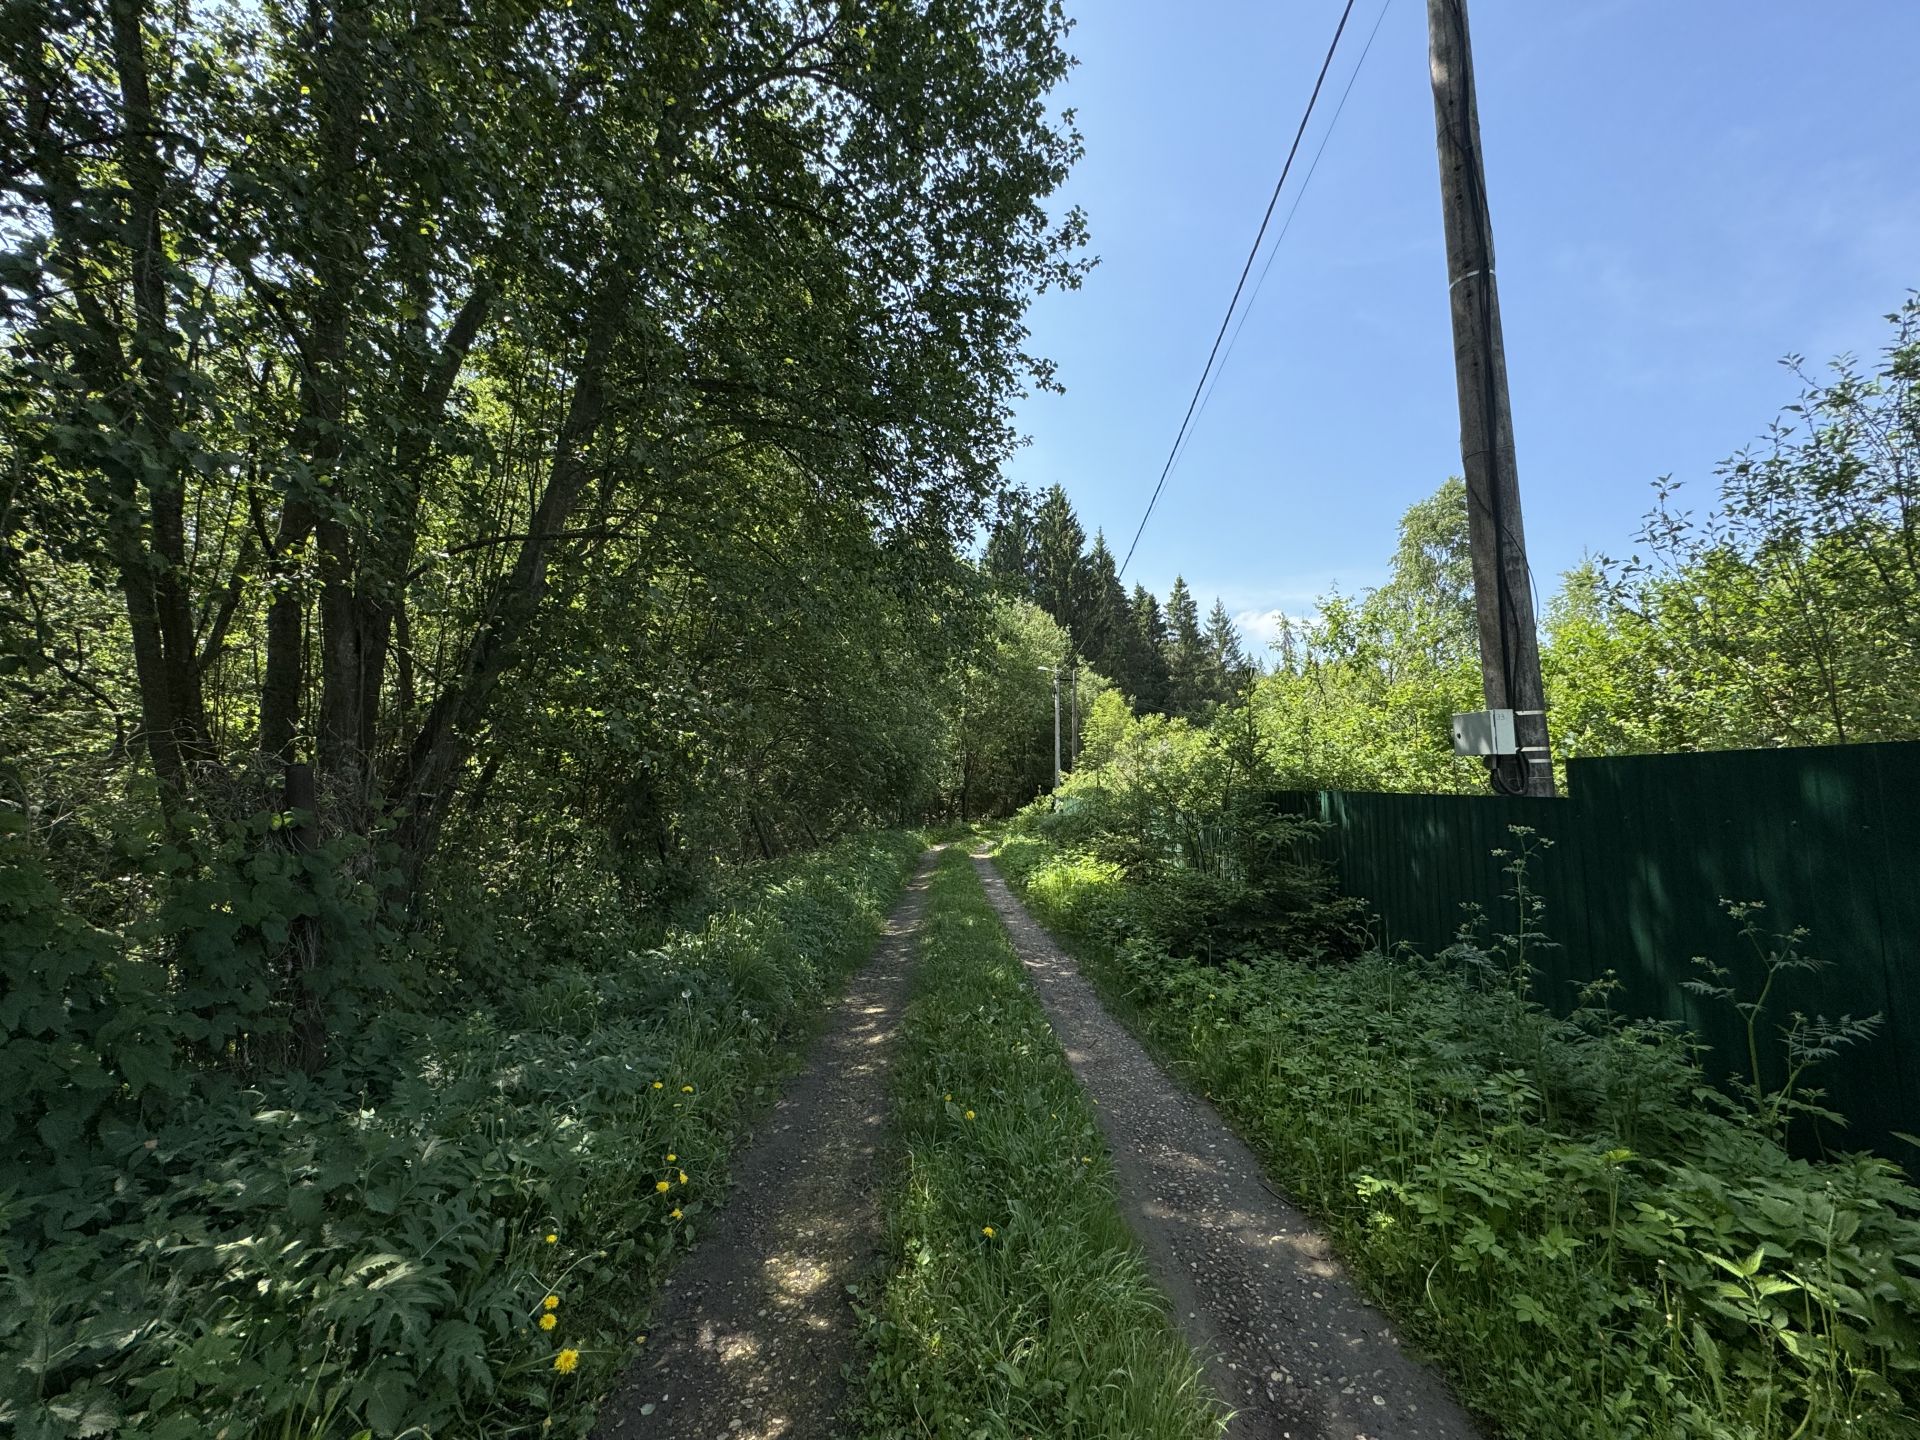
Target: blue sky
x,y
1683,191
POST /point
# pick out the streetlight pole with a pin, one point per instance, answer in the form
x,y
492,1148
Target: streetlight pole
x,y
1054,671
1073,730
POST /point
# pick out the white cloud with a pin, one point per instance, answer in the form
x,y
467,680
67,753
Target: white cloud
x,y
1261,628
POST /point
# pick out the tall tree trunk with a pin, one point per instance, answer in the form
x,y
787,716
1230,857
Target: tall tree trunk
x,y
281,682
425,789
309,1021
152,566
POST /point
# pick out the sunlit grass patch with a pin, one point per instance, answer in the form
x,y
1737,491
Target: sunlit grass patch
x,y
1015,1301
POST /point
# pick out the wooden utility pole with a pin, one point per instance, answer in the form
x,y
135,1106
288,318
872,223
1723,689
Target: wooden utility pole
x,y
1502,583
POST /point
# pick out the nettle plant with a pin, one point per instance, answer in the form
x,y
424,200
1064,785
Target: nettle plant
x,y
1805,1041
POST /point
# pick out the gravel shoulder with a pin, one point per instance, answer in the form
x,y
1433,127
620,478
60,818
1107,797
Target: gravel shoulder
x,y
754,1328
1290,1345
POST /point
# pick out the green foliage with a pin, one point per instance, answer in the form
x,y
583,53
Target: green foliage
x,y
1015,1302
1166,663
1364,693
1217,857
365,1249
565,419
543,439
999,749
1805,1041
1788,614
1061,580
1564,1210
112,1027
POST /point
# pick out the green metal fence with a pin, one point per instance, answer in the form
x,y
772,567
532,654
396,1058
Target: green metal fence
x,y
1644,849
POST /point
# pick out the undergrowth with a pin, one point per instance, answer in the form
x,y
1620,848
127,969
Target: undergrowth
x,y
1593,1239
453,1232
1015,1302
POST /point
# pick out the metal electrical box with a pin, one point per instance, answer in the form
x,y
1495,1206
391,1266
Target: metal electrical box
x,y
1484,732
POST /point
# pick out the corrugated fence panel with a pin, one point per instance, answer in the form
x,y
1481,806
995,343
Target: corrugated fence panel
x,y
1644,851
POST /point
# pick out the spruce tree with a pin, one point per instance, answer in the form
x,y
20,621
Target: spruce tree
x,y
1146,668
1104,636
1188,659
1232,669
1009,560
1059,564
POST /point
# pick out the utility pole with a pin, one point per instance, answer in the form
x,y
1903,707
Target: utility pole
x,y
1502,583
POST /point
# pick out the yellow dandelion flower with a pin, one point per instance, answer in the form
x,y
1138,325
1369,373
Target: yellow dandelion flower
x,y
639,1339
661,1186
549,1320
686,1089
658,1086
949,1097
671,1157
987,1230
969,1114
676,1213
683,1177
552,1239
552,1302
565,1361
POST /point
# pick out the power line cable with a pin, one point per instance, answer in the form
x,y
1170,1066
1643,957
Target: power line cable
x,y
1280,239
1245,270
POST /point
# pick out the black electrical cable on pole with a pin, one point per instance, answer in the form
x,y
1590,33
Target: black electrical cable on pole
x,y
1245,270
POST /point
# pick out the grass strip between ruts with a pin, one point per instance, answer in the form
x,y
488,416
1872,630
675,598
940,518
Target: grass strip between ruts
x,y
1014,1300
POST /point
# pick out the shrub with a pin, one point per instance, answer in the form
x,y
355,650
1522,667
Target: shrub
x,y
1218,858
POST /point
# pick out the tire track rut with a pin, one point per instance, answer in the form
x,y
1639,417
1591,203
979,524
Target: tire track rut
x,y
754,1328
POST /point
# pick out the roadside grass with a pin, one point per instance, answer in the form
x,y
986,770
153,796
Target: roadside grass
x,y
456,1230
1014,1301
1591,1241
